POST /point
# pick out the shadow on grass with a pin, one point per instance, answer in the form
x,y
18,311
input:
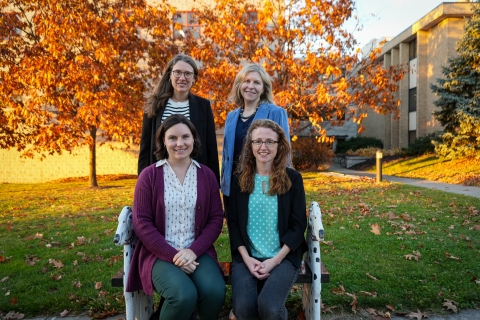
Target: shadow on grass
x,y
100,178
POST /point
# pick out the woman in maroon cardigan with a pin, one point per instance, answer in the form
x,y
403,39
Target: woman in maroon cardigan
x,y
177,216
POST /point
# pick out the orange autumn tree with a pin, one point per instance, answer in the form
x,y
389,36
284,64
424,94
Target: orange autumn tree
x,y
317,73
74,72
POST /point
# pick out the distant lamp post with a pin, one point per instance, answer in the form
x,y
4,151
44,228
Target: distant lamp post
x,y
379,165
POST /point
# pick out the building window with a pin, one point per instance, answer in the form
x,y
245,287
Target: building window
x,y
412,100
190,25
412,135
412,49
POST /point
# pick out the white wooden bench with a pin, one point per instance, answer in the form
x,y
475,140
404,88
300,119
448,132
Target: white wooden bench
x,y
139,306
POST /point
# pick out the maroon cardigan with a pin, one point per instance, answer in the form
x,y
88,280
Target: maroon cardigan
x,y
149,224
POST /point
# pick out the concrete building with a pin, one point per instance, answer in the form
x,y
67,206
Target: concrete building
x,y
424,47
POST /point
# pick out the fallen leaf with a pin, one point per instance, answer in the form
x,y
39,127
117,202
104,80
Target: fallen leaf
x,y
4,279
13,300
56,264
415,256
98,285
38,236
390,307
80,240
451,305
370,294
371,277
14,315
417,315
354,304
417,253
449,256
77,284
55,277
371,311
63,313
411,257
375,228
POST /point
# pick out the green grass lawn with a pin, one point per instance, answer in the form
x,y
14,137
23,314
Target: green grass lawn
x,y
464,171
44,224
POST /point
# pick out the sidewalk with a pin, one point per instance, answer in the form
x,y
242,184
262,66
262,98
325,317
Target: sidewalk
x,y
335,168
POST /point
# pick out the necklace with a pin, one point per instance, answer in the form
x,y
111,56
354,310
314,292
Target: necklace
x,y
248,117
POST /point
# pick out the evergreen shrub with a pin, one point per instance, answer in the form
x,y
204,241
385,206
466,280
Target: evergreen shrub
x,y
358,143
423,145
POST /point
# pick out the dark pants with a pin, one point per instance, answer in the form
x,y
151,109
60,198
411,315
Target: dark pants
x,y
262,299
225,206
204,289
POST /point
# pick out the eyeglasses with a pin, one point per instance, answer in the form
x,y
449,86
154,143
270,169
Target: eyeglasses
x,y
268,143
186,74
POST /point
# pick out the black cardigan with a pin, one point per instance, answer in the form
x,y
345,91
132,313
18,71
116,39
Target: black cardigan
x,y
292,219
201,116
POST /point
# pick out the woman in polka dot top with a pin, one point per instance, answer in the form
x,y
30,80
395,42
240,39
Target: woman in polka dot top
x,y
267,221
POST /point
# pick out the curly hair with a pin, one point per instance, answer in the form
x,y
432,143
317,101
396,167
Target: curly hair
x,y
236,95
279,181
164,89
172,120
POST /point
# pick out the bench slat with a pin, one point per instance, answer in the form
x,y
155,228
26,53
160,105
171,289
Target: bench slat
x,y
305,275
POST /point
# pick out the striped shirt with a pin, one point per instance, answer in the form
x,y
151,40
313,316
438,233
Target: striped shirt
x,y
173,107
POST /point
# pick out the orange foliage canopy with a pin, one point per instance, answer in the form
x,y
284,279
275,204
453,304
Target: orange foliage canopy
x,y
317,74
72,70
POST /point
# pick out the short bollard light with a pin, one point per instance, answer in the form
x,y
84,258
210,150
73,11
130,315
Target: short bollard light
x,y
379,165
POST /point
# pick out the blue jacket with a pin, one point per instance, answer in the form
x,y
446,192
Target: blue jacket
x,y
265,111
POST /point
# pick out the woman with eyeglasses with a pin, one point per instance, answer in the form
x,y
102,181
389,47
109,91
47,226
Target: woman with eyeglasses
x,y
252,93
172,95
267,221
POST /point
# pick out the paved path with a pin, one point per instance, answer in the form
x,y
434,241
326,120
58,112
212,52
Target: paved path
x,y
453,188
336,169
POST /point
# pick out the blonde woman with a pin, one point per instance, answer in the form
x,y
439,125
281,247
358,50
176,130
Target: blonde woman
x,y
252,93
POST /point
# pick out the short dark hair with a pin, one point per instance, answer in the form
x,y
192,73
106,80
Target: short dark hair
x,y
172,120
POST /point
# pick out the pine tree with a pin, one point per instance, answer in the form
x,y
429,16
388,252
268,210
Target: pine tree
x,y
459,96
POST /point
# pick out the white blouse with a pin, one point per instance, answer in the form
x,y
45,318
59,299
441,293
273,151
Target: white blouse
x,y
180,203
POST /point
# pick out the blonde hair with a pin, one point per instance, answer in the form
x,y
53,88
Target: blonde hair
x,y
279,181
236,96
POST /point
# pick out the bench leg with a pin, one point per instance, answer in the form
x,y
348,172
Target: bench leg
x,y
138,305
312,291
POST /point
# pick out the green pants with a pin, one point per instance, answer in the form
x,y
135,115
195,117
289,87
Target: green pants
x,y
204,289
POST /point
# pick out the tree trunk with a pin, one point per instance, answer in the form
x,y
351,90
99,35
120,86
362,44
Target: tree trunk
x,y
93,158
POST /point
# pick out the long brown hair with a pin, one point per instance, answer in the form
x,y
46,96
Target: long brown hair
x,y
279,180
164,89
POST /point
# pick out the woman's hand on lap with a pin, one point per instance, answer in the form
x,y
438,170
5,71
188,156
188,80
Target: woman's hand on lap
x,y
255,266
184,257
190,268
267,266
